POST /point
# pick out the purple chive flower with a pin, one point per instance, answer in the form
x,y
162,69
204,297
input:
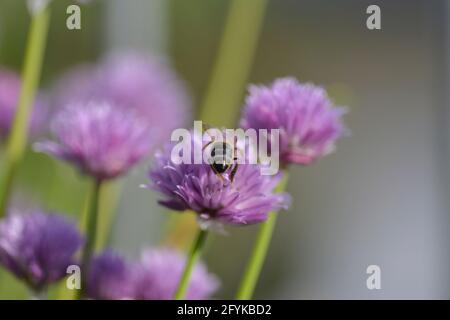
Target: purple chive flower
x,y
34,6
159,272
154,277
309,123
38,247
247,200
10,85
101,139
135,82
110,277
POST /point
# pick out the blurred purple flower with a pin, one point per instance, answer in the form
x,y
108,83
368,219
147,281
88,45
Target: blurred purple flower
x,y
132,81
159,272
10,85
38,247
109,277
34,6
247,200
100,139
309,124
154,277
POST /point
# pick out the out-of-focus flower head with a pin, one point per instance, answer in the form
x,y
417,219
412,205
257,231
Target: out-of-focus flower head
x,y
99,138
244,201
109,277
38,247
154,277
10,85
133,81
159,272
34,6
309,123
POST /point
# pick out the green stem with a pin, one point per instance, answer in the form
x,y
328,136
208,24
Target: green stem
x,y
41,294
253,269
91,231
31,74
108,202
193,256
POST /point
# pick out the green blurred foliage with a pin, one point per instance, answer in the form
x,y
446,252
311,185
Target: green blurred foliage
x,y
195,32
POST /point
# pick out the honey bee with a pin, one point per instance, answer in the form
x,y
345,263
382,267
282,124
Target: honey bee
x,y
222,158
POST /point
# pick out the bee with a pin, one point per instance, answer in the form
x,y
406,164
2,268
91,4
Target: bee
x,y
222,158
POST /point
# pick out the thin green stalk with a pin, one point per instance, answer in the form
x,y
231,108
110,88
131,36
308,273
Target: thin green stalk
x,y
31,74
41,294
254,266
63,292
91,231
108,203
193,256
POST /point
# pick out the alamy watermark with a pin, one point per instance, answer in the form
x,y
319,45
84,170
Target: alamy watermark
x,y
73,281
374,279
373,21
227,147
73,21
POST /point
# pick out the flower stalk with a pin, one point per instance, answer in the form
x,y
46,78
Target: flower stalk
x,y
192,258
259,253
91,230
38,294
31,73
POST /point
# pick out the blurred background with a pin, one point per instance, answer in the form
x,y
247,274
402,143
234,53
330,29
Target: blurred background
x,y
382,198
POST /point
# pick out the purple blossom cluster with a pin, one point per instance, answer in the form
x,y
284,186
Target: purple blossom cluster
x,y
137,83
244,201
306,117
38,247
109,117
99,138
154,277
